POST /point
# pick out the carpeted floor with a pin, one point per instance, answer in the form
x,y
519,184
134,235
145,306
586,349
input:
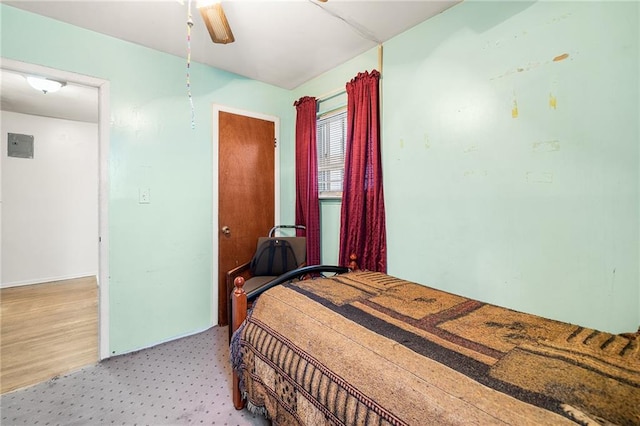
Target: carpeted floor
x,y
183,382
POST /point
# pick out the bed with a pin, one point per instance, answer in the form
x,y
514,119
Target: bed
x,y
365,348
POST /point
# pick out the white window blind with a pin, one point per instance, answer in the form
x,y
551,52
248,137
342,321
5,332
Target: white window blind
x,y
331,141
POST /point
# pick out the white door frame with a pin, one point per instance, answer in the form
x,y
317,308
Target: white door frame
x,y
217,108
103,180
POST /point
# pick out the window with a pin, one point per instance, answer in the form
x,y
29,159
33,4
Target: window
x,y
331,141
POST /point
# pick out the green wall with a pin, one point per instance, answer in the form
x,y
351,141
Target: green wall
x,y
510,156
160,253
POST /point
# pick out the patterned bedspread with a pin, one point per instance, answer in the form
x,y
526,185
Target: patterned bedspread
x,y
365,348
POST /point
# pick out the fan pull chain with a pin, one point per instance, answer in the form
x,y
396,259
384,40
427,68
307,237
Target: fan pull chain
x,y
189,25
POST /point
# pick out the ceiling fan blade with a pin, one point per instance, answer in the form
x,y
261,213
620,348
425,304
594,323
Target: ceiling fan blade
x,y
216,22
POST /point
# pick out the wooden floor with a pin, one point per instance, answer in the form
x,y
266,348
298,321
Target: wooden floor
x,y
47,330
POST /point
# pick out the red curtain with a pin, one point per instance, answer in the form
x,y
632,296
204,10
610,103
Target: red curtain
x,y
362,218
307,205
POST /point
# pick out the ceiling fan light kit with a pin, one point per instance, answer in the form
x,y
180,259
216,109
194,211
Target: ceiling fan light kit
x,y
216,22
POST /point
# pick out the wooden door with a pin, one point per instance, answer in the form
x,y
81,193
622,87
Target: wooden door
x,y
246,184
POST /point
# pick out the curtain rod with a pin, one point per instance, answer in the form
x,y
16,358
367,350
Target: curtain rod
x,y
331,94
320,114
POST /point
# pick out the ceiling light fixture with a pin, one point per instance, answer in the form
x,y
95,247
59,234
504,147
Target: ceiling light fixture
x,y
216,21
44,84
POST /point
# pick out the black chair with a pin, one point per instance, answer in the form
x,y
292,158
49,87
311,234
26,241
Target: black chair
x,y
274,256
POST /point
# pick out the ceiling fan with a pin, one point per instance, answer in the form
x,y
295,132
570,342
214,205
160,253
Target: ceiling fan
x,y
216,21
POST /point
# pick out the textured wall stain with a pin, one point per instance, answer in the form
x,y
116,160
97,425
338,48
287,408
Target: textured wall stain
x,y
530,66
401,143
546,146
514,109
553,102
427,144
561,57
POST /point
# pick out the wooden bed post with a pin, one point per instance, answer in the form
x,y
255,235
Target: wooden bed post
x,y
353,264
239,308
239,313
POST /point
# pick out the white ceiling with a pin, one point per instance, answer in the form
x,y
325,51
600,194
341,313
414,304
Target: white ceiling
x,y
281,42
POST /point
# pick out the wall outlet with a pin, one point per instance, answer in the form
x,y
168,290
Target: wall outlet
x,y
144,196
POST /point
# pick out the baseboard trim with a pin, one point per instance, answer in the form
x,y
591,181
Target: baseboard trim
x,y
48,280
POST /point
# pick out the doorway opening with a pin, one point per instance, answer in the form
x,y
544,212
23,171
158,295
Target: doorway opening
x,y
12,101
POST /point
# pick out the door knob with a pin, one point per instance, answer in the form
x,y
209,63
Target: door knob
x,y
226,230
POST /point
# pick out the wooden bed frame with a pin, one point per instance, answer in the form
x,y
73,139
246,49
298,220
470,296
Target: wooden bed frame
x,y
367,346
240,302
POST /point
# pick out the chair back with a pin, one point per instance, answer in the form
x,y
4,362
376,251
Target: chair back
x,y
276,255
